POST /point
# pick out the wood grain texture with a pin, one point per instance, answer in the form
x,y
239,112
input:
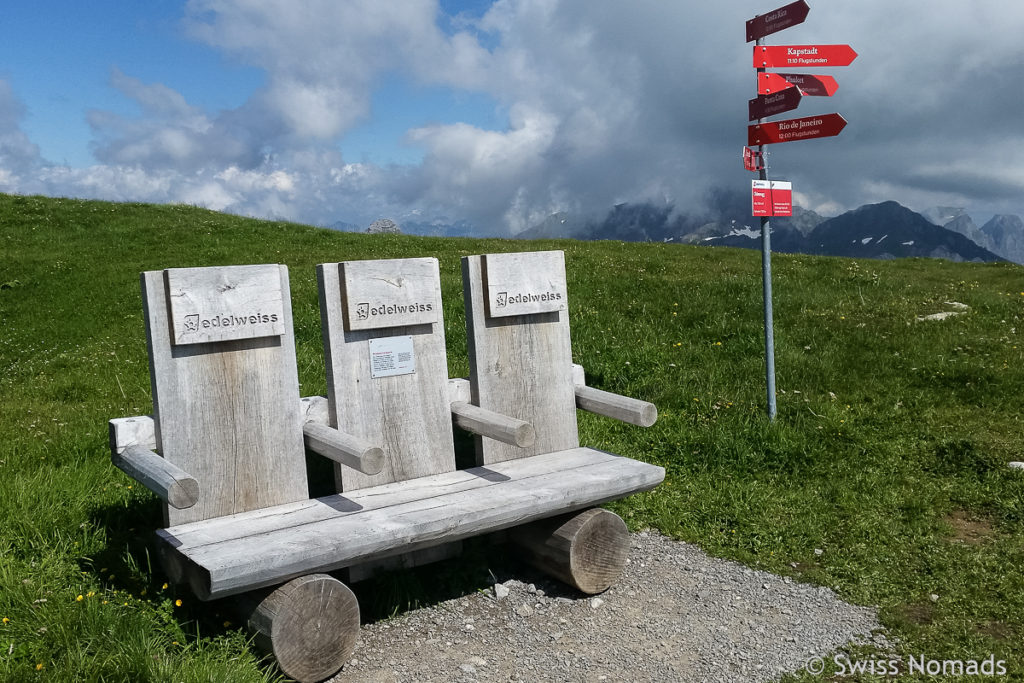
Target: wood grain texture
x,y
520,366
220,304
492,425
310,625
525,283
624,408
132,431
268,546
587,550
403,560
226,412
176,487
459,390
343,448
405,415
214,531
390,293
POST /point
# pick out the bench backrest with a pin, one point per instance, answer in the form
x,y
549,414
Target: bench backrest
x,y
225,385
387,371
520,356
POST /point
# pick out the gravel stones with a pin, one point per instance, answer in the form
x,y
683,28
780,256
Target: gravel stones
x,y
675,615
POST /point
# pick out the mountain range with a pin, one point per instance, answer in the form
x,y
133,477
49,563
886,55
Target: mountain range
x,y
885,230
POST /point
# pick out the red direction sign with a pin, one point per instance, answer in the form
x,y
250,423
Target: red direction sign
x,y
752,161
769,105
823,126
776,20
777,56
810,85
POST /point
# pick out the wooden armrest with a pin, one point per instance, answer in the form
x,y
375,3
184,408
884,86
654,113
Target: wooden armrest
x,y
631,410
494,425
171,483
314,409
343,448
132,431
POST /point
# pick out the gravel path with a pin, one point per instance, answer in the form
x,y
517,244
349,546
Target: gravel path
x,y
676,615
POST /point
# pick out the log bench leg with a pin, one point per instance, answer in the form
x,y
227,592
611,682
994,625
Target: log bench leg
x,y
310,625
587,549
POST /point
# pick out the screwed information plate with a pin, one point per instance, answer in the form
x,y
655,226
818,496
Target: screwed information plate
x,y
390,356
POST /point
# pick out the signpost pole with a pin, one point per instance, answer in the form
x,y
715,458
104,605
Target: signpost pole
x,y
761,134
766,278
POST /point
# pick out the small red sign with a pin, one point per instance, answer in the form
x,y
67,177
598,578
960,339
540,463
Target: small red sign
x,y
810,85
771,197
776,20
769,105
823,126
780,56
752,161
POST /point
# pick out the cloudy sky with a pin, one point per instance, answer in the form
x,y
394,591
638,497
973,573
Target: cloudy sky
x,y
499,113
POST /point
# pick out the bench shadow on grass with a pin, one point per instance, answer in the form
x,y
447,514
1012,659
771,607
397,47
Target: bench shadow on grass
x,y
129,566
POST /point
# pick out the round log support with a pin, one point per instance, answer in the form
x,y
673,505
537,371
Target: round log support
x,y
310,625
587,549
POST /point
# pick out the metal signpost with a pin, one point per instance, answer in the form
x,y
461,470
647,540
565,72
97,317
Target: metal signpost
x,y
780,93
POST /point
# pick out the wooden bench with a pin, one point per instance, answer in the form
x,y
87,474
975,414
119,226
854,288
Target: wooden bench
x,y
230,428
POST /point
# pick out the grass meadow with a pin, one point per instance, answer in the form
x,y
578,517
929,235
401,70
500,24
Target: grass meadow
x,y
883,477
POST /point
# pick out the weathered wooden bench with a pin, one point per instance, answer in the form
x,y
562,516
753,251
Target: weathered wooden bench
x,y
230,429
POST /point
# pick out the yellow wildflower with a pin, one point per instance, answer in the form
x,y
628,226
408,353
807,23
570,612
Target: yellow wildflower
x,y
178,602
80,598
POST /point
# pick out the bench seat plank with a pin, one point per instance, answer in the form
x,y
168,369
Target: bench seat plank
x,y
212,531
264,547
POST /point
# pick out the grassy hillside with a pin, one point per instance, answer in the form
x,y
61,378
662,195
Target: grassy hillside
x,y
884,475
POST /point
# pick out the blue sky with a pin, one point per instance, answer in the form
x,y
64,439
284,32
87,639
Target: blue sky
x,y
498,113
59,55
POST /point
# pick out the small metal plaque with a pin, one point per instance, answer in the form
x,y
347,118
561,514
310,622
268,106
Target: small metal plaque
x,y
390,356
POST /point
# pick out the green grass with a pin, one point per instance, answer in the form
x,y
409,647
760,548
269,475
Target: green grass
x,y
888,454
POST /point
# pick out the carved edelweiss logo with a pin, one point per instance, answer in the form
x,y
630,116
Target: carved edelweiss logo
x,y
192,323
363,311
502,299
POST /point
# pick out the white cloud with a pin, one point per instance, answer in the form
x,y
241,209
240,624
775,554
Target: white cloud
x,y
606,101
18,155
